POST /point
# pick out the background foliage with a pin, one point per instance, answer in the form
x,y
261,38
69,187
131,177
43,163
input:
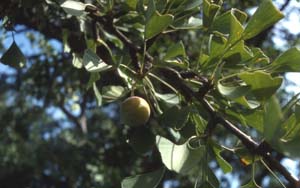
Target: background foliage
x,y
194,61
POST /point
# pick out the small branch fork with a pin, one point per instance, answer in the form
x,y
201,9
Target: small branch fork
x,y
176,80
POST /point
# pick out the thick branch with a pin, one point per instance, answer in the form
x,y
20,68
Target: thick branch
x,y
175,79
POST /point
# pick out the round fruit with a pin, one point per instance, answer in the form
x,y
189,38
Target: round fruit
x,y
135,111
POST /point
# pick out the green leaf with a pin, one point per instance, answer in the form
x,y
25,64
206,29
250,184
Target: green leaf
x,y
288,108
225,166
74,8
290,148
131,3
289,61
251,184
291,128
217,45
13,57
97,94
175,50
113,93
94,76
212,179
210,11
265,16
258,56
246,157
190,23
148,180
250,104
263,85
77,61
297,112
199,122
151,8
233,92
168,98
272,119
142,140
255,119
179,158
157,24
175,117
191,4
227,23
93,63
240,15
65,35
206,184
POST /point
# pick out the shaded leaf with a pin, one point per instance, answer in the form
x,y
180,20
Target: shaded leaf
x,y
142,140
210,11
157,24
175,50
227,23
175,117
94,76
290,148
225,166
13,57
246,157
291,128
251,184
148,180
272,119
150,9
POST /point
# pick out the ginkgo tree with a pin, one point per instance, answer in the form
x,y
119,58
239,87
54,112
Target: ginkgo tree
x,y
193,90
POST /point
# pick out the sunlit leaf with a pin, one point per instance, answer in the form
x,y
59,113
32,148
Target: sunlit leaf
x,y
289,61
179,158
265,16
97,94
112,93
233,92
93,63
168,98
262,84
74,8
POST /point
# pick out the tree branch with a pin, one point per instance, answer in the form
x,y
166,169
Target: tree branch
x,y
175,79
